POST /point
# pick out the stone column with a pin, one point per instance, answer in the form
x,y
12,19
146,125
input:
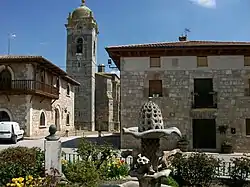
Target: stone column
x,y
53,152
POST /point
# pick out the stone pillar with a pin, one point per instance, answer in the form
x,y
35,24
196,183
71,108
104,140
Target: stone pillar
x,y
53,152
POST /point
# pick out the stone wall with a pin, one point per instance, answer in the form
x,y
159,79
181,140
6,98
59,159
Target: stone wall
x,y
17,107
103,103
116,102
82,67
233,105
26,109
64,105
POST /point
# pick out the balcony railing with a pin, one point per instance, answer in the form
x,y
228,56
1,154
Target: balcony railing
x,y
204,100
29,87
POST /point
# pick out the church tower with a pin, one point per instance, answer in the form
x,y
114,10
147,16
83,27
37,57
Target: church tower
x,y
82,31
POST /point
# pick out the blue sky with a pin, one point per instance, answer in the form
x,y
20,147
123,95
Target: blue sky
x,y
39,25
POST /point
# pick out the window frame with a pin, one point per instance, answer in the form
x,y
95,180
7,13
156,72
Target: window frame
x,y
68,90
200,64
152,65
247,59
44,120
151,88
67,120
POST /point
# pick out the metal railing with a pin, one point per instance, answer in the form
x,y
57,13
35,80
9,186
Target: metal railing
x,y
201,100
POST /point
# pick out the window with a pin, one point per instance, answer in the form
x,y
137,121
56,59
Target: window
x,y
5,79
57,83
155,62
42,120
94,48
246,60
175,62
67,119
247,126
79,45
68,89
202,61
155,88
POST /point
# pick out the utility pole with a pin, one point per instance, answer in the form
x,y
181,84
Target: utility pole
x,y
10,37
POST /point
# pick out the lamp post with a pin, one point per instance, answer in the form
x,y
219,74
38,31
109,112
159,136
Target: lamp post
x,y
10,36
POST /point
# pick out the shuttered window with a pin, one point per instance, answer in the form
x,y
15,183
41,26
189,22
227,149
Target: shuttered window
x,y
202,61
155,88
155,62
247,126
247,61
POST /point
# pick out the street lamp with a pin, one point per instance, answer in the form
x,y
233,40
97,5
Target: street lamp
x,y
10,37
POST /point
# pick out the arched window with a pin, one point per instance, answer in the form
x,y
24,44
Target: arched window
x,y
68,89
67,119
79,45
5,79
42,120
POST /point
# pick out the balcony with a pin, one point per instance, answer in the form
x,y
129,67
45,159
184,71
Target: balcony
x,y
204,100
32,87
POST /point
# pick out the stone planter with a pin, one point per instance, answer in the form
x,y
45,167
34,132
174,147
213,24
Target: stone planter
x,y
183,145
226,149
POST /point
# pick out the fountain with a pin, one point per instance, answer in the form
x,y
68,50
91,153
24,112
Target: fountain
x,y
148,169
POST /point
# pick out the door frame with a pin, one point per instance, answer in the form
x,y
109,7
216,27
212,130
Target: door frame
x,y
215,149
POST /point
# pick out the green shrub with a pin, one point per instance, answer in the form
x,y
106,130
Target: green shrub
x,y
169,181
240,171
83,173
197,169
19,162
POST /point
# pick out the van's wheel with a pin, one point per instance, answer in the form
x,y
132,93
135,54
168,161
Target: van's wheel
x,y
14,139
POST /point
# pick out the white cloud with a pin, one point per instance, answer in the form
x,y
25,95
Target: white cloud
x,y
205,3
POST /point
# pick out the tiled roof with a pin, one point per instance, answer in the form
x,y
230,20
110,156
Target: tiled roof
x,y
183,44
38,59
20,57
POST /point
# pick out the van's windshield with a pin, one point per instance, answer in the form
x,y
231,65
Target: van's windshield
x,y
5,127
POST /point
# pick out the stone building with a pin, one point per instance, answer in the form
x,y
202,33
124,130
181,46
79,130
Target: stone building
x,y
36,93
200,86
82,31
95,102
107,100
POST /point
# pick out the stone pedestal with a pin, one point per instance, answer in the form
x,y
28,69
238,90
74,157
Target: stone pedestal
x,y
53,152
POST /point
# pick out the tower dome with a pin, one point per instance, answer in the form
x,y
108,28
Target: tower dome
x,y
150,117
82,12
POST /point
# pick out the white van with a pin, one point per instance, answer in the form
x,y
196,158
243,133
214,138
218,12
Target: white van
x,y
10,131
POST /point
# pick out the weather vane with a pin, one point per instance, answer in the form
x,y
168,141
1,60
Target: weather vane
x,y
186,31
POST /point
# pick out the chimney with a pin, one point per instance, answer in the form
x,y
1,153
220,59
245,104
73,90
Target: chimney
x,y
183,38
101,68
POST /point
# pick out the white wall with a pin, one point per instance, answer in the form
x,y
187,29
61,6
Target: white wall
x,y
184,63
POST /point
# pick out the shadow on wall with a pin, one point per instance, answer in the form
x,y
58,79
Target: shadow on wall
x,y
113,140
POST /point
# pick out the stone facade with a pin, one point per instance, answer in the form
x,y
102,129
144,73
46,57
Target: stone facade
x,y
81,63
24,102
107,116
230,81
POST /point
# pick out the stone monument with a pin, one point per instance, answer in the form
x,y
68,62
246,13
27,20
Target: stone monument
x,y
53,152
150,129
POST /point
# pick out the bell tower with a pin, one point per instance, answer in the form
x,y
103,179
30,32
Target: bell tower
x,y
82,31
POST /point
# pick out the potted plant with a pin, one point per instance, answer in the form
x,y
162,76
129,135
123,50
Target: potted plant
x,y
223,129
183,143
226,147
